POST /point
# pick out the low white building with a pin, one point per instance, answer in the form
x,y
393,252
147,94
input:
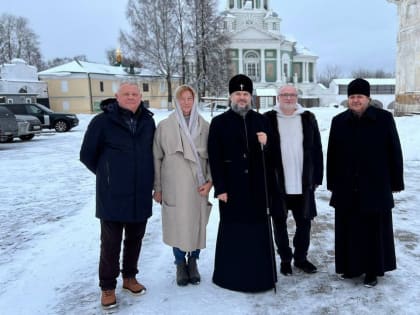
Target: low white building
x,y
80,86
382,90
18,77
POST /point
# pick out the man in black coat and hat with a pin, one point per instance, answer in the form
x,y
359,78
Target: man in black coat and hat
x,y
243,260
364,168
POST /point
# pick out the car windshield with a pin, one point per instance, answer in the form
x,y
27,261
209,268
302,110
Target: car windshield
x,y
45,108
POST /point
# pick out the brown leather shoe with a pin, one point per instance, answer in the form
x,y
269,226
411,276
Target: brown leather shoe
x,y
132,285
108,299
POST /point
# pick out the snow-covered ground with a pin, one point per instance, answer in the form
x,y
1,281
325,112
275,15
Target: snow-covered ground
x,y
49,244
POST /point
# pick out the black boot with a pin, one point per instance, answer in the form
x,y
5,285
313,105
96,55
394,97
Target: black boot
x,y
193,271
286,268
182,274
306,266
370,280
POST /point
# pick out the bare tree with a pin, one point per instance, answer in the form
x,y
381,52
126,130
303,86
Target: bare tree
x,y
365,73
166,35
330,73
153,37
209,47
18,40
183,16
218,74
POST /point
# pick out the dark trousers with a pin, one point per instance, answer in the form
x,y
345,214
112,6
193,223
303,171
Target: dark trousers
x,y
302,234
109,262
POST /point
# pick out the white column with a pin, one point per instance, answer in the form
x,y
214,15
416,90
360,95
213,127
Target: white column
x,y
262,66
279,67
241,64
314,72
307,67
305,72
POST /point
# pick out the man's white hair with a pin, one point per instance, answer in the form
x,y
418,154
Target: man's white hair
x,y
286,85
134,82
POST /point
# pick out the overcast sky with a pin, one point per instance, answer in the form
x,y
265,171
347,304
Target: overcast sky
x,y
350,34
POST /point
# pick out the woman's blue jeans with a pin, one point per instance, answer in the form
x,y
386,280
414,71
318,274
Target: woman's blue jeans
x,y
180,255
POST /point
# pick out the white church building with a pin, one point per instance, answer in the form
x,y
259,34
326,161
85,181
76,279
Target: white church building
x,y
259,50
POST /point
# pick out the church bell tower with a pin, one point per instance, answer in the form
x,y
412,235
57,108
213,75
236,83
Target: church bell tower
x,y
248,4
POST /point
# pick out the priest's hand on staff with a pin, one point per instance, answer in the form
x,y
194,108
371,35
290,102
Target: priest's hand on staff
x,y
262,137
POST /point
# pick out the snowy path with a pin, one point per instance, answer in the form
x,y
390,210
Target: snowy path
x,y
49,246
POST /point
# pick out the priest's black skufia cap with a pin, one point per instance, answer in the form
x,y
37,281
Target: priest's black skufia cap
x,y
358,86
240,82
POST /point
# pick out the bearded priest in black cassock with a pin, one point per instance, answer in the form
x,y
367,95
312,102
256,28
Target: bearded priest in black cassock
x,y
243,259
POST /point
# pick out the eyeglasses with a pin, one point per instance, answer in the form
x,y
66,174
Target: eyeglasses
x,y
288,95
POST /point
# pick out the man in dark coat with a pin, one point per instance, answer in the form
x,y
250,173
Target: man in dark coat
x,y
297,164
243,260
364,168
117,148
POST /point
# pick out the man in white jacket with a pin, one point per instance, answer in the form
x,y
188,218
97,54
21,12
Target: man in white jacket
x,y
297,163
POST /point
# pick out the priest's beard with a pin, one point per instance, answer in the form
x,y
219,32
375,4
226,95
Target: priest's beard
x,y
240,110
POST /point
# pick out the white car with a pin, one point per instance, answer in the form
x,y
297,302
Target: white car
x,y
28,127
215,106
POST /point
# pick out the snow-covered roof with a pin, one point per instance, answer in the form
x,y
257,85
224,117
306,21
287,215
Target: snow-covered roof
x,y
97,68
227,14
271,14
19,60
265,92
252,32
290,38
302,50
372,81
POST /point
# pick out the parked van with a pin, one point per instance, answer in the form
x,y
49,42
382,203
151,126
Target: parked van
x,y
61,122
8,125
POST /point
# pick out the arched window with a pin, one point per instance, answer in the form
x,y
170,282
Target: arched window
x,y
252,65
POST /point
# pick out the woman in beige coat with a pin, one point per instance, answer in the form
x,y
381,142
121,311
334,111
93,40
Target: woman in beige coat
x,y
182,182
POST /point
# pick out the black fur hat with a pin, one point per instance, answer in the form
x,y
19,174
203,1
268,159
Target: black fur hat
x,y
358,86
240,82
